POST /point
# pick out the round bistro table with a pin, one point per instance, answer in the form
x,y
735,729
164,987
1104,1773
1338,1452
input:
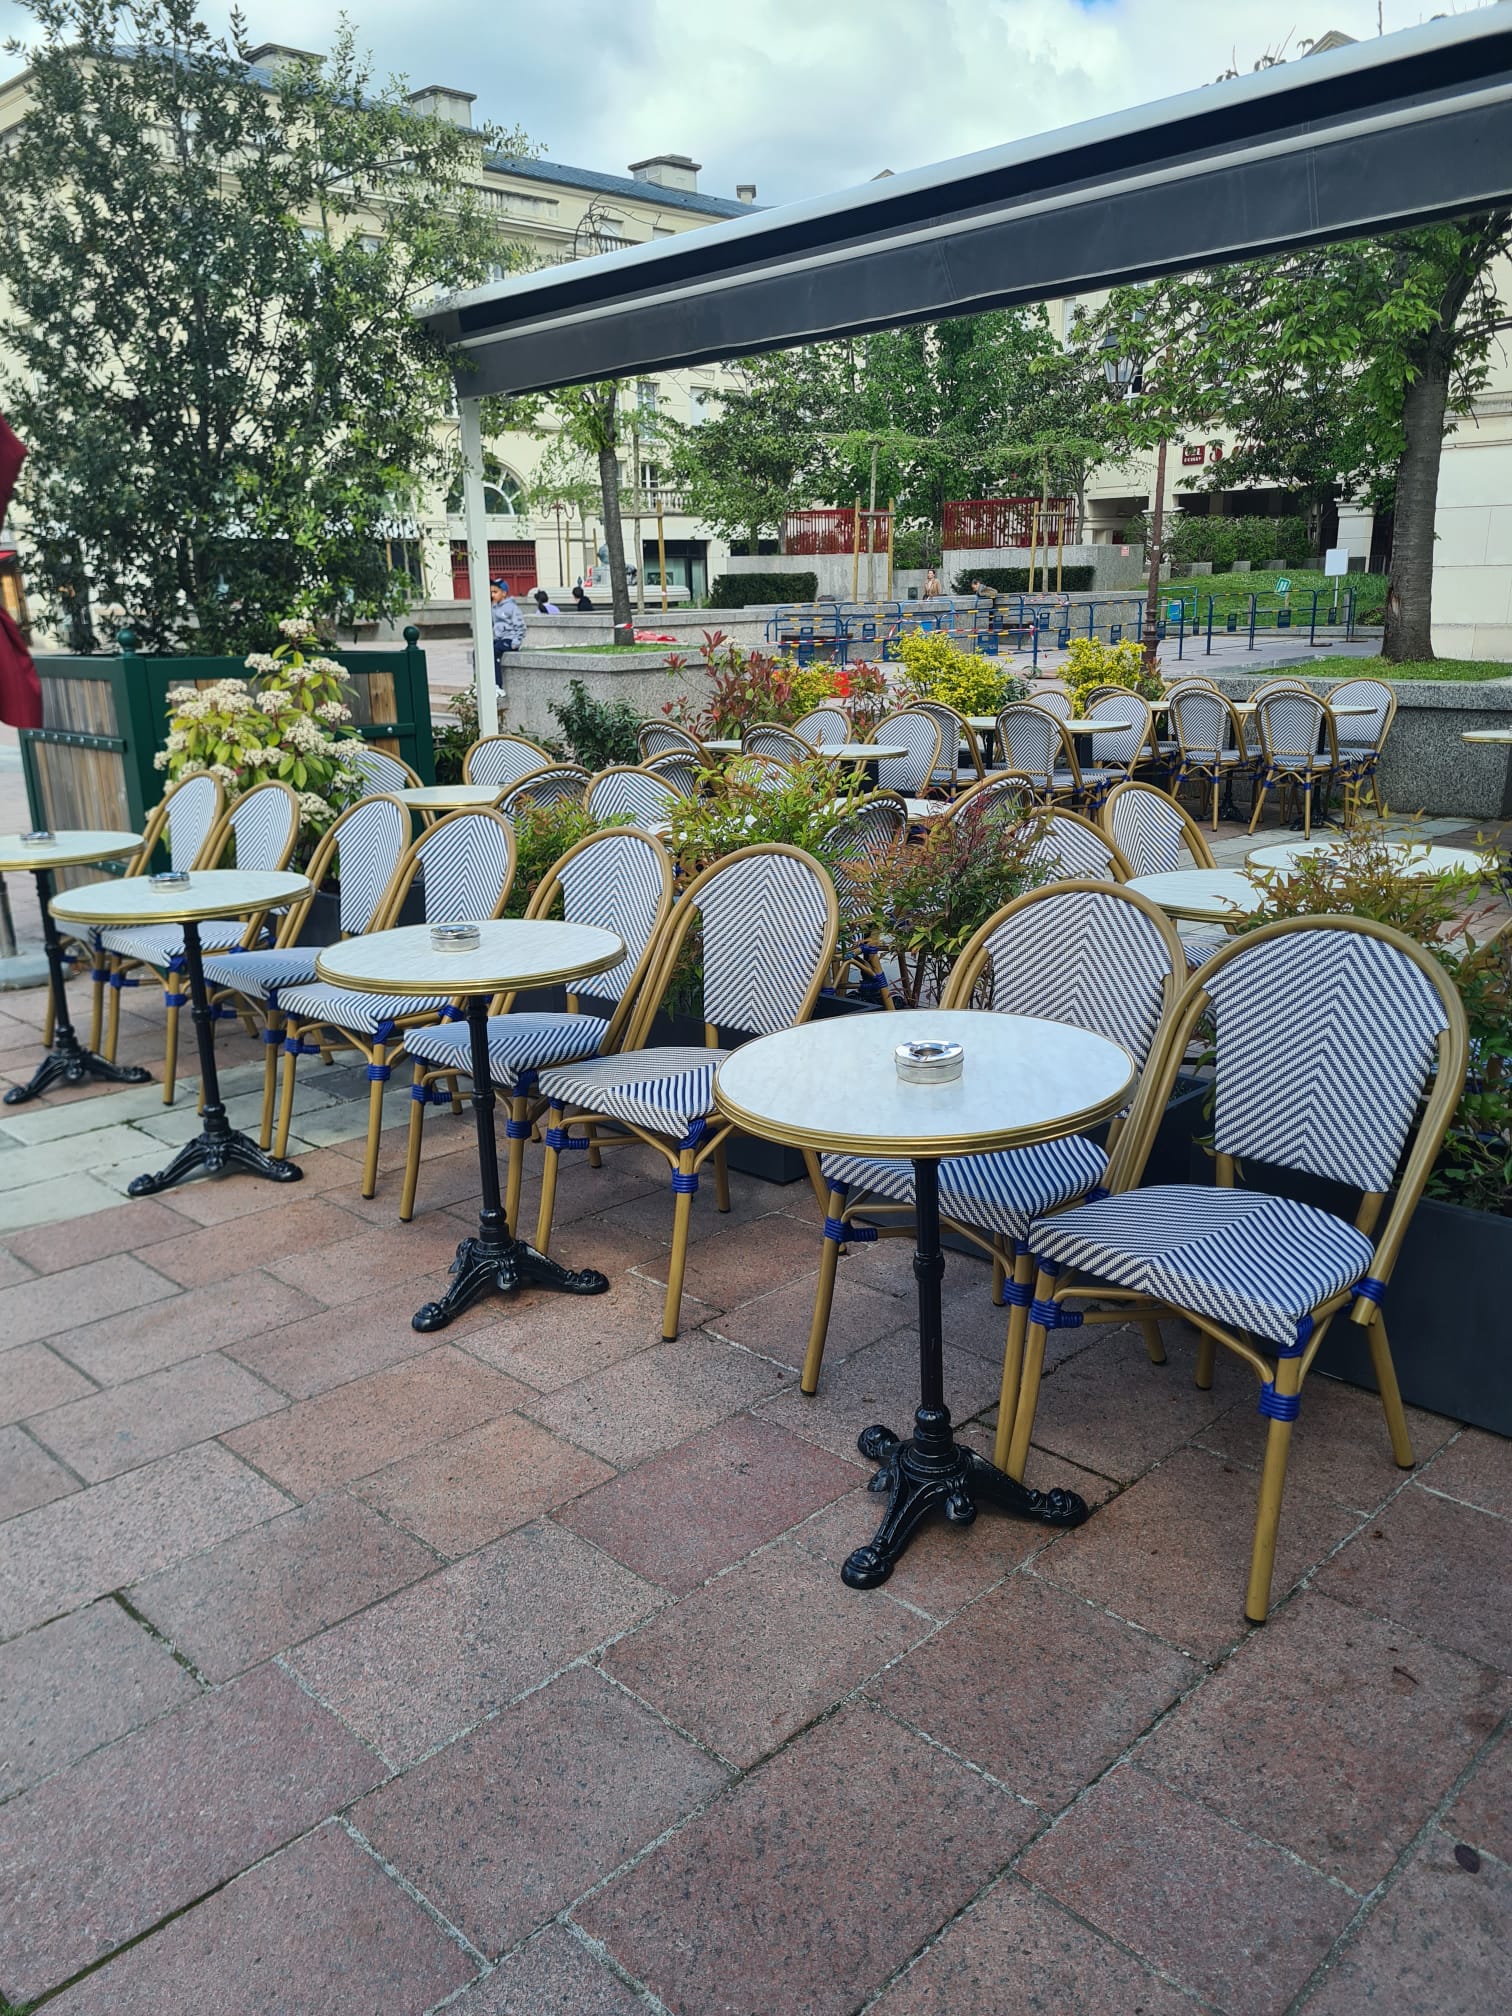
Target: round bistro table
x,y
1412,858
833,1087
1200,895
68,1061
209,893
511,953
447,797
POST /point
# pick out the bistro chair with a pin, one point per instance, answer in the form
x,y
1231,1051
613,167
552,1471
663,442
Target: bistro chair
x,y
768,924
825,727
1152,832
869,834
665,738
1360,739
1033,743
625,795
769,738
682,772
466,863
1290,724
553,784
619,880
257,833
1080,851
186,817
1116,751
1056,700
1004,795
918,735
1210,742
1333,1093
956,734
1080,953
362,847
380,770
503,759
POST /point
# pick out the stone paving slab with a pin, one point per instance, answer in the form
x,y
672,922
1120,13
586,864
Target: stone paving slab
x,y
509,1669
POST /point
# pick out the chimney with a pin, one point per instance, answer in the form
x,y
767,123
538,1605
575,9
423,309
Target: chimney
x,y
667,171
745,192
440,101
276,56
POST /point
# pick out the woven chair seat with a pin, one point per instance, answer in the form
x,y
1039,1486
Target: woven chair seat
x,y
1255,1262
516,1043
162,944
259,974
362,1014
1001,1192
663,1090
1201,946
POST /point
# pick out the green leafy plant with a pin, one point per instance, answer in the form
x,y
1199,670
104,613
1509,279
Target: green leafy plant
x,y
934,669
1015,580
1090,663
743,591
736,811
543,834
599,732
451,741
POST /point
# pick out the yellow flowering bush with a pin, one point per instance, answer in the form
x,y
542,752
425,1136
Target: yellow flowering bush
x,y
935,669
1091,663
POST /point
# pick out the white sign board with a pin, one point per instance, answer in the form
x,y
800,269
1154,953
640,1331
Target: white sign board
x,y
1336,560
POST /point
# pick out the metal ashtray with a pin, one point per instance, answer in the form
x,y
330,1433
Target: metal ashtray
x,y
40,837
455,937
170,879
929,1063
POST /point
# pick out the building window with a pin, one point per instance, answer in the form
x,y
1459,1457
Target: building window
x,y
503,494
645,395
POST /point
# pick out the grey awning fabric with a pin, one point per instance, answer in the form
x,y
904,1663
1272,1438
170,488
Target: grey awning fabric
x,y
1409,128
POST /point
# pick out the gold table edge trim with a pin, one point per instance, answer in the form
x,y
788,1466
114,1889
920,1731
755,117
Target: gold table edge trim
x,y
406,990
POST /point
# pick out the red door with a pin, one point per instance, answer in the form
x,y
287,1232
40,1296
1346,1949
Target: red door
x,y
513,559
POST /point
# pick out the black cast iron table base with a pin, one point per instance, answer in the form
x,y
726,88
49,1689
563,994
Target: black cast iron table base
x,y
495,1259
933,1472
68,1062
218,1146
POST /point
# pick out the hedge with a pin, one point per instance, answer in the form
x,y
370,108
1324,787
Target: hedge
x,y
1015,580
1222,541
740,591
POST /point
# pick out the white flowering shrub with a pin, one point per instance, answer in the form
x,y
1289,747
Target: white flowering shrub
x,y
288,720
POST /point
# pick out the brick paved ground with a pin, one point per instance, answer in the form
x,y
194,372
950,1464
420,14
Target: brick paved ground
x,y
344,1669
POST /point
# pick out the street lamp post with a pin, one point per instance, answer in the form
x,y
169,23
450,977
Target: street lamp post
x,y
1125,378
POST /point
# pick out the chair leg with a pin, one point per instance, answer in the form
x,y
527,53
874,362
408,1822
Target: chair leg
x,y
1029,1383
170,1047
97,1011
514,1174
376,1086
721,1178
682,1211
595,1156
824,1297
1307,802
112,1023
286,1102
1013,1363
999,1274
272,1039
1206,1353
548,1182
1155,1343
1262,791
1272,1484
1391,1393
1217,776
414,1145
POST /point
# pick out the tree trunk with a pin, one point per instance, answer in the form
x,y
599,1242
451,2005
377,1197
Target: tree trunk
x,y
1409,600
614,538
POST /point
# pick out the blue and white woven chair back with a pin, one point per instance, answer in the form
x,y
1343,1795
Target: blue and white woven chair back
x,y
868,834
956,739
1202,722
1148,830
555,784
766,935
631,798
265,823
192,808
1074,852
769,738
380,771
1325,1042
826,727
1356,734
919,735
1090,958
1118,747
665,738
1290,724
680,771
615,882
1055,700
466,860
502,759
1029,739
374,833
765,773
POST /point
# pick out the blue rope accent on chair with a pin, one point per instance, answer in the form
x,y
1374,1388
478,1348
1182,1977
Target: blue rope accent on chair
x,y
383,1030
1371,1289
428,1095
450,1014
517,1130
1019,1295
527,1082
174,1000
222,1011
684,1186
380,1073
1304,1332
99,975
1279,1406
559,1138
297,1047
123,980
848,1235
1096,1194
694,1135
1053,1316
271,1035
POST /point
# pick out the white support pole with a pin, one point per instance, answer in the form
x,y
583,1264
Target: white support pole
x,y
476,516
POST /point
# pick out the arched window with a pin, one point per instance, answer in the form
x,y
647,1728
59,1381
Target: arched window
x,y
503,494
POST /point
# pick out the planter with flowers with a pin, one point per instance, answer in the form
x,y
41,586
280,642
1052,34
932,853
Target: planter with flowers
x,y
729,689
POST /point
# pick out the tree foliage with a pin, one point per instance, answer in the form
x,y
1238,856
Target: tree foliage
x,y
209,279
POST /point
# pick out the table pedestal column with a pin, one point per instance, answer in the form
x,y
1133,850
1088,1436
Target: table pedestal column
x,y
932,1471
218,1146
493,1259
68,1062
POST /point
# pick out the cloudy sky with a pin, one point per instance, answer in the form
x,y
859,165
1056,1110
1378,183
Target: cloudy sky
x,y
803,96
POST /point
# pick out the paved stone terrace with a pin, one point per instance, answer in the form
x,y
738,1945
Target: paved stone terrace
x,y
509,1669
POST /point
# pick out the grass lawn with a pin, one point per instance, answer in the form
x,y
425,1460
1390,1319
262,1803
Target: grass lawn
x,y
1232,591
1430,668
646,650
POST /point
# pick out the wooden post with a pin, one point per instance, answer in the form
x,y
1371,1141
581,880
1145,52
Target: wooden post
x,y
661,550
1152,593
856,552
892,513
1060,544
871,532
1033,545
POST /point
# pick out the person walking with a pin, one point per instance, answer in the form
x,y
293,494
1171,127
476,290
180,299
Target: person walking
x,y
932,586
508,625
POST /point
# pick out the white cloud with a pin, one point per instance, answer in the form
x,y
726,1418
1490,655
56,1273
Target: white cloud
x,y
802,96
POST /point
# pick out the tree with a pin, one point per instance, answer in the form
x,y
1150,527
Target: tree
x,y
209,342
755,457
589,417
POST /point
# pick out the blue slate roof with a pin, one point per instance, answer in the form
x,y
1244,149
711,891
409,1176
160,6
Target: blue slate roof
x,y
622,185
